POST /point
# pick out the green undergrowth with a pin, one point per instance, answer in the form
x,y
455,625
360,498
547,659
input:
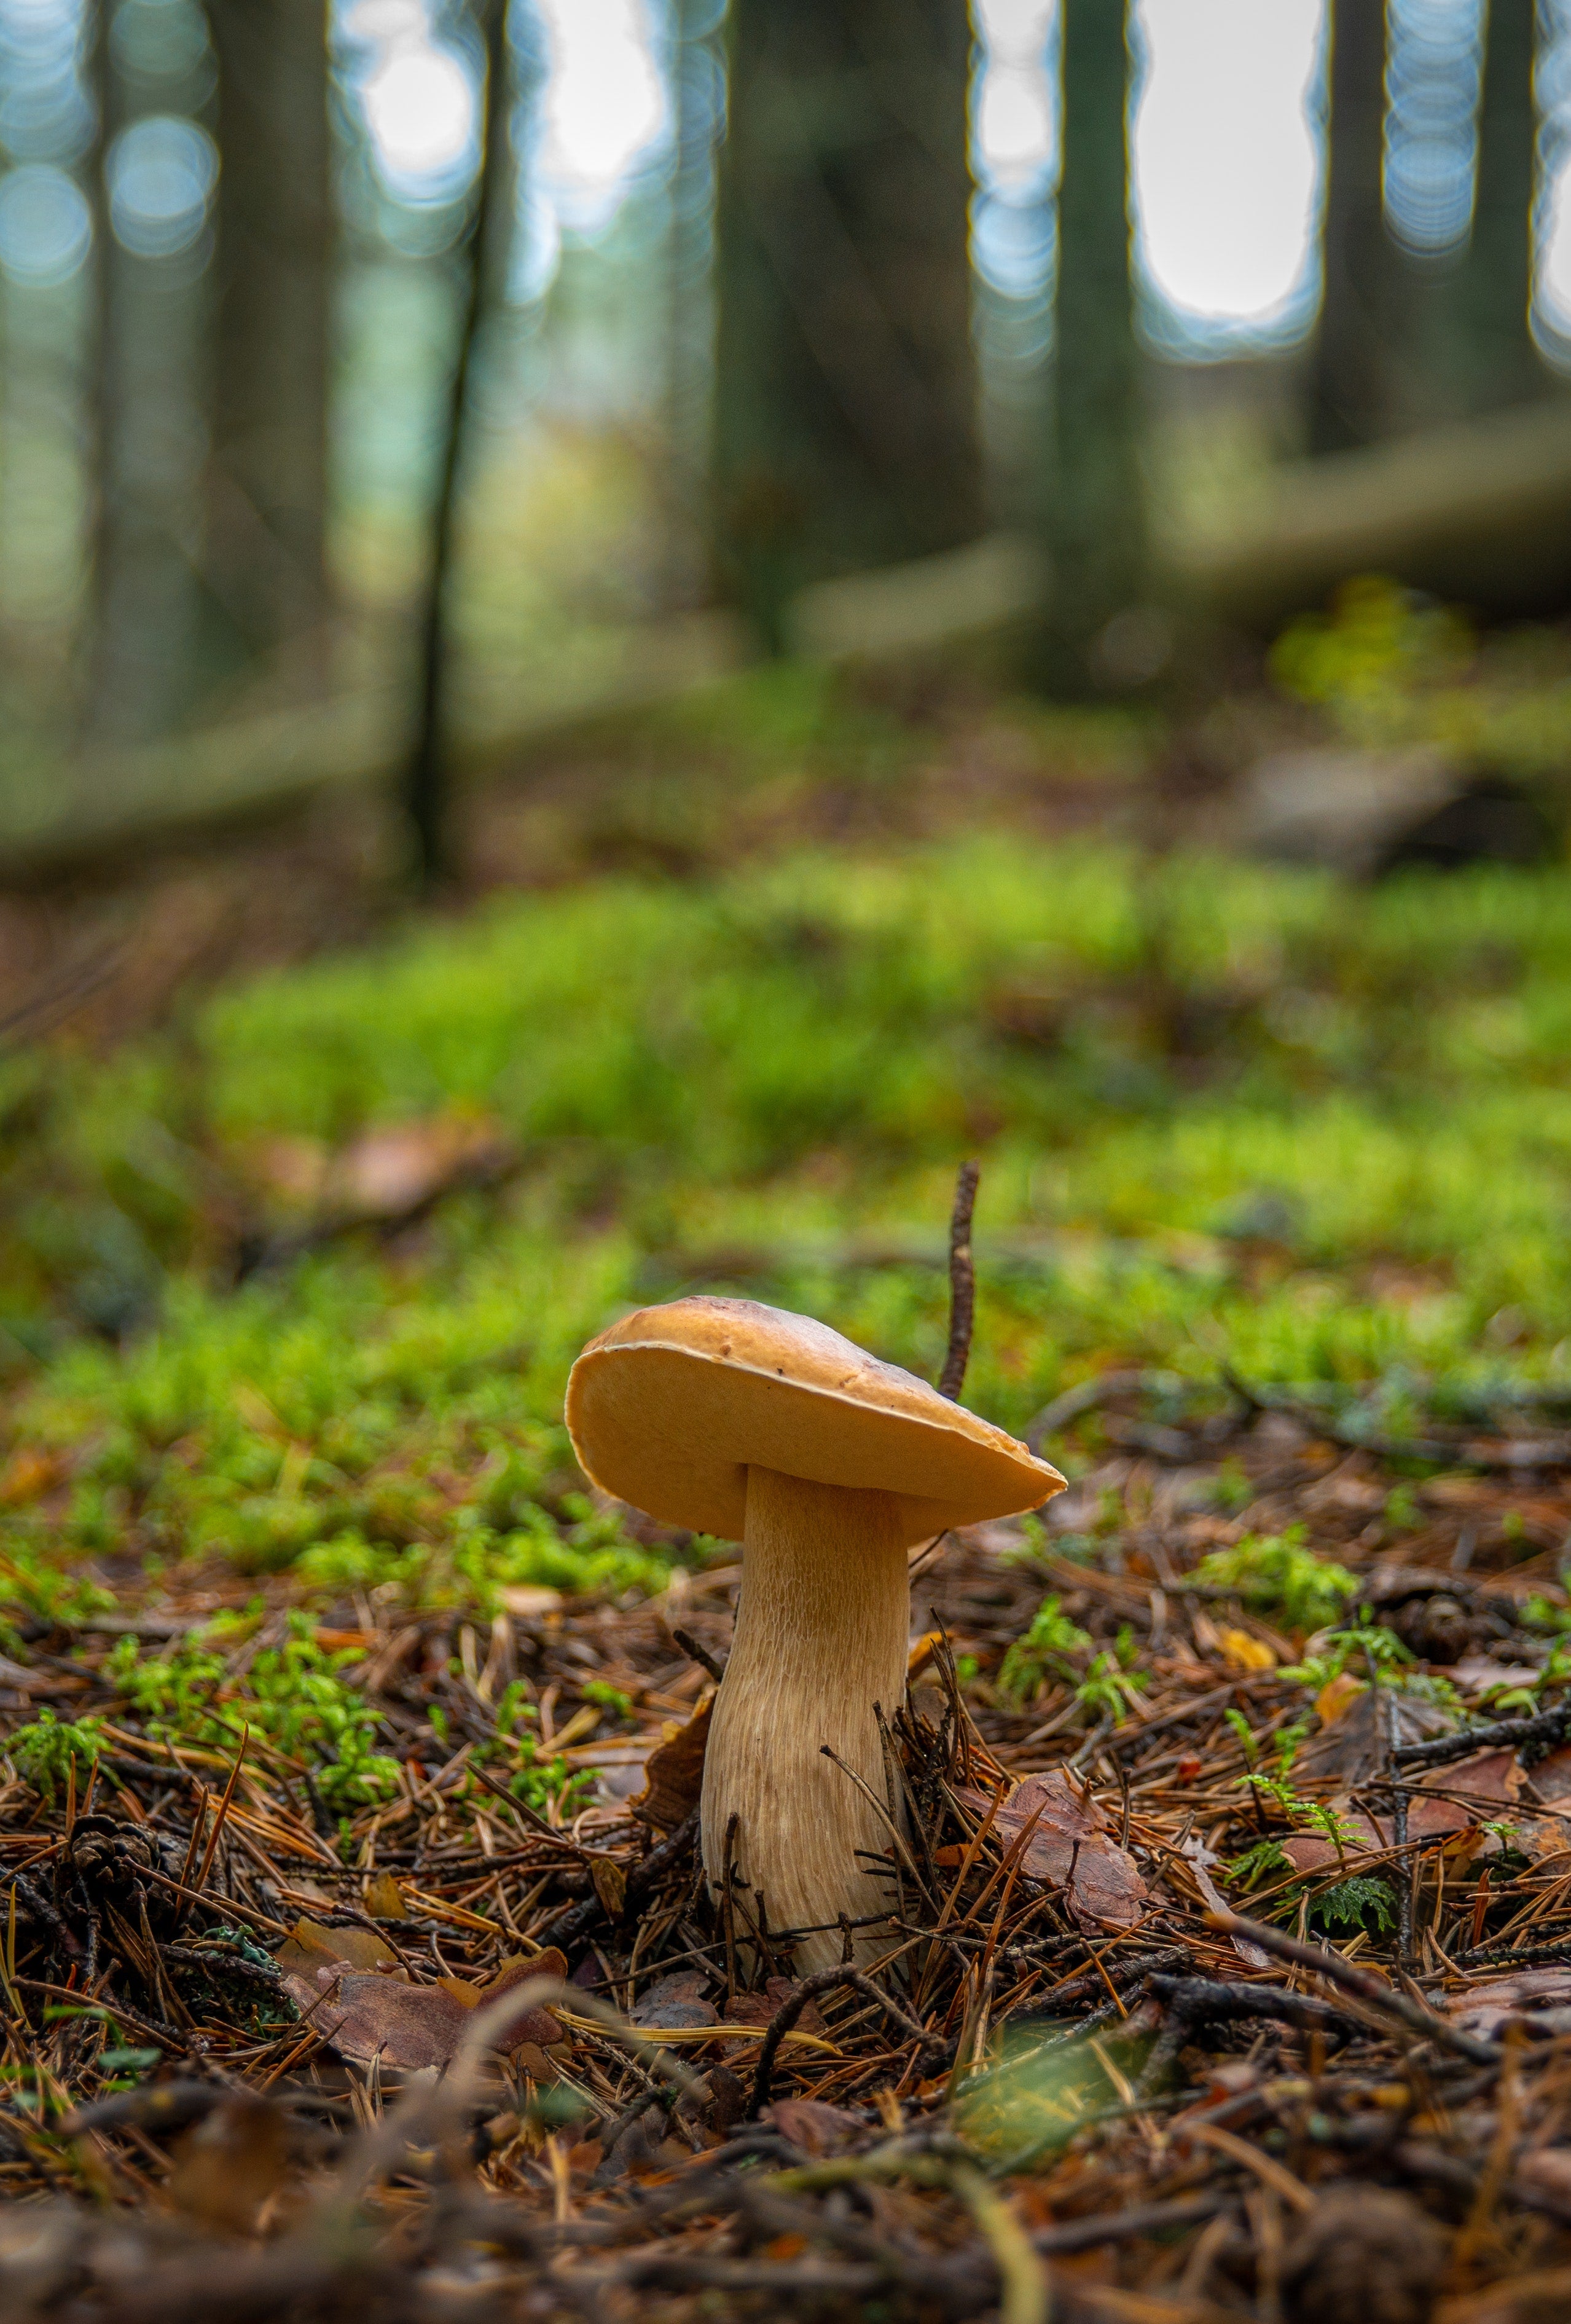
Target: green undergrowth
x,y
1229,1116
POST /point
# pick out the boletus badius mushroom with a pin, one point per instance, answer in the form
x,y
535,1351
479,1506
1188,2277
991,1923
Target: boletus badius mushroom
x,y
770,1429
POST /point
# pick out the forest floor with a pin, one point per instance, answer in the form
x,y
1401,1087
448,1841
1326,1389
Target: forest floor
x,y
336,1706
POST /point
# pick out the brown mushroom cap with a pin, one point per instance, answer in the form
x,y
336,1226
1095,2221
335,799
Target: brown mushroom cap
x,y
669,1408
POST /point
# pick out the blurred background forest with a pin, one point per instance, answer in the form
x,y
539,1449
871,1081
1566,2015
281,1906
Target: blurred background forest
x,y
383,385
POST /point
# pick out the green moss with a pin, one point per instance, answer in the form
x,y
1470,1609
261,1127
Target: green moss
x,y
762,1083
1277,1574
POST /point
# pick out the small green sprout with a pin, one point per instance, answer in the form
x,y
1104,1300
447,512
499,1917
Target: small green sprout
x,y
1043,1651
1106,1692
1275,1573
600,1692
1356,1903
44,1751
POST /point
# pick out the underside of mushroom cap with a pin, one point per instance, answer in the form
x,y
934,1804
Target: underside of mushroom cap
x,y
670,1407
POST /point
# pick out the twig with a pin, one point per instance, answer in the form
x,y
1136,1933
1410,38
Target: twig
x,y
1190,2002
1024,2279
823,1980
1123,2226
962,1283
1085,1397
1414,2015
200,1881
697,1652
1541,1727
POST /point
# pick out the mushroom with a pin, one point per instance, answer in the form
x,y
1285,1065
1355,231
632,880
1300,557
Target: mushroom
x,y
742,1420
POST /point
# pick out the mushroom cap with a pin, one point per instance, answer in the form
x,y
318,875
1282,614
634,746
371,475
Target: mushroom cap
x,y
670,1407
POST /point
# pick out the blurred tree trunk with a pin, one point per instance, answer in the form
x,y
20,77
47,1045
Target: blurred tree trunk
x,y
1351,399
1094,515
145,593
427,786
1494,287
267,478
845,430
698,86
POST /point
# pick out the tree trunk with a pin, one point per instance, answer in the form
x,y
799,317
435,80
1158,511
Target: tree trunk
x,y
698,94
145,595
845,432
1494,288
1352,398
1094,516
267,478
427,787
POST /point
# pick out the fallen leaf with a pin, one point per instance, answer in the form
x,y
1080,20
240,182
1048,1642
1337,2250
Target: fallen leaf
x,y
1241,1652
1336,1696
674,2002
28,1474
536,2024
366,2016
1070,1848
1476,1674
813,2126
673,1775
761,2009
531,1602
1356,1746
1483,2008
610,1885
1548,2170
229,2163
1488,1782
399,1168
341,1976
1542,2296
385,1899
1552,1776
311,1943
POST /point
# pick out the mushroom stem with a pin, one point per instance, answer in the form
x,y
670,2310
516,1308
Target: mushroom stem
x,y
820,1637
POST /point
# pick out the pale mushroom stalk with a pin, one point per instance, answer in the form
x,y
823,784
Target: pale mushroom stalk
x,y
820,1637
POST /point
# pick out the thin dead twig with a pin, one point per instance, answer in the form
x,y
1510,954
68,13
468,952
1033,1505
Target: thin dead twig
x,y
1416,2016
824,1981
962,1283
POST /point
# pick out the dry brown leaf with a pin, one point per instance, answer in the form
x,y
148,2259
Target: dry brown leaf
x,y
673,2002
366,2016
1070,1848
1540,2297
1355,1748
1548,2170
760,2008
1488,1782
385,1899
311,1944
365,2012
402,1166
29,1474
1199,1859
610,1885
1483,2008
1476,1673
1552,1774
1242,1653
813,2126
229,2163
673,1775
538,2024
1336,1696
385,1173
